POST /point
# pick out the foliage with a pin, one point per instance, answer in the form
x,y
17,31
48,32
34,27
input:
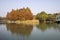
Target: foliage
x,y
20,14
0,18
12,15
46,17
51,17
41,16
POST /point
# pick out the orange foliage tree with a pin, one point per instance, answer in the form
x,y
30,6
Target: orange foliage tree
x,y
20,14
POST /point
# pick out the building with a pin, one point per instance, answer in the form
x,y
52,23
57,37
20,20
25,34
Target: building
x,y
58,18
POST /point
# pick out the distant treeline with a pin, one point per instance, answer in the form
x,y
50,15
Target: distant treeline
x,y
43,16
26,14
2,18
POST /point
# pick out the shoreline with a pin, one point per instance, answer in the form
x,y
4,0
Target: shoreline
x,y
34,22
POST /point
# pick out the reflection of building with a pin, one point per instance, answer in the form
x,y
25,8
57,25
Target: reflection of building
x,y
58,25
21,29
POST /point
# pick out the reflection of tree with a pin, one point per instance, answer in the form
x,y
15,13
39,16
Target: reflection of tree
x,y
58,26
44,26
21,29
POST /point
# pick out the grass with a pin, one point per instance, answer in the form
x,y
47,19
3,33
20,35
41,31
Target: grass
x,y
34,22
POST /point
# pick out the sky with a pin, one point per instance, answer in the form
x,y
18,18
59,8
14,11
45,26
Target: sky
x,y
36,6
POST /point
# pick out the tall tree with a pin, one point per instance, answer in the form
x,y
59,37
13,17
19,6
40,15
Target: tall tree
x,y
42,16
13,15
20,14
28,14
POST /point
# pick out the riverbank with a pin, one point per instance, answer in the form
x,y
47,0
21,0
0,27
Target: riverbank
x,y
34,22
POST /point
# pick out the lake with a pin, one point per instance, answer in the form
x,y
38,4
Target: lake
x,y
30,32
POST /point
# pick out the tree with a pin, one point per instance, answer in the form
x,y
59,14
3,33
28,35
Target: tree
x,y
13,15
0,18
42,16
20,14
28,14
51,17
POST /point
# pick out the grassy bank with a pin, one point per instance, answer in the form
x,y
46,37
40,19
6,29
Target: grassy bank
x,y
34,22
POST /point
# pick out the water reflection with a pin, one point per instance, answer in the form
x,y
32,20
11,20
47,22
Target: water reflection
x,y
41,31
44,26
21,29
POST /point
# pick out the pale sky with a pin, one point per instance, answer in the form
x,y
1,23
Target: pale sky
x,y
36,6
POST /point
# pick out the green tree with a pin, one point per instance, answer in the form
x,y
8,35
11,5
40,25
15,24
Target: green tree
x,y
51,17
42,16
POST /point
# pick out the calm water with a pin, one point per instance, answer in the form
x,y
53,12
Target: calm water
x,y
29,32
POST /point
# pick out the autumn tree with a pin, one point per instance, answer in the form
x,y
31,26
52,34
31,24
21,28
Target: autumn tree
x,y
28,14
20,14
13,15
